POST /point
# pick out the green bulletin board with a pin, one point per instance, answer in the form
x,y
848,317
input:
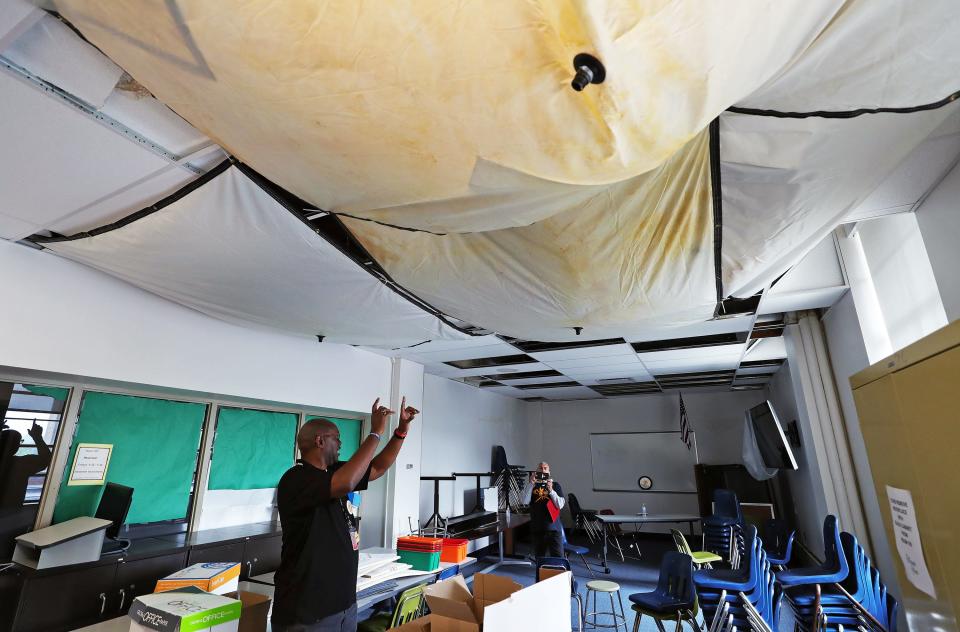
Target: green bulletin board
x,y
252,448
349,434
155,452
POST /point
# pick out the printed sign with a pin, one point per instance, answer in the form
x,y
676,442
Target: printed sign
x,y
907,534
90,464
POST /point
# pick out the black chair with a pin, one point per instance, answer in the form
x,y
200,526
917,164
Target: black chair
x,y
509,480
584,519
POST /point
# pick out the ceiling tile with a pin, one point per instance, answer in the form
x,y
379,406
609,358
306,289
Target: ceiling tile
x,y
700,353
583,352
611,361
469,353
708,328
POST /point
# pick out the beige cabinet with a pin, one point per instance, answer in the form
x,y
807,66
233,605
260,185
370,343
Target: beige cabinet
x,y
909,409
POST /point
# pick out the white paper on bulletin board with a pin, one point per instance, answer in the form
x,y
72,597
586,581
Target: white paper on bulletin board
x,y
90,464
907,534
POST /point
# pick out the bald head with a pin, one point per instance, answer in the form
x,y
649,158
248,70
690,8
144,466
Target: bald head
x,y
307,436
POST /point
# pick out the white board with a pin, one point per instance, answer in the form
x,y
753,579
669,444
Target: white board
x,y
619,459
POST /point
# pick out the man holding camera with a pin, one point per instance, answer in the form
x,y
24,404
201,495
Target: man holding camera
x,y
545,498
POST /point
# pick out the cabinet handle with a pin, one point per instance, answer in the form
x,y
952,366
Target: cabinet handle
x,y
103,603
249,569
123,597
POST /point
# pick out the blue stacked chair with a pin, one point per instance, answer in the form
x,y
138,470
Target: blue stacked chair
x,y
862,582
778,541
753,581
674,598
724,529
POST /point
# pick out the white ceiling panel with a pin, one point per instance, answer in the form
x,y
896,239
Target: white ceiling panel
x,y
611,361
447,345
445,370
698,353
796,301
16,226
708,328
505,390
155,121
756,370
56,159
820,268
568,392
52,51
583,352
470,353
768,349
692,365
640,372
532,380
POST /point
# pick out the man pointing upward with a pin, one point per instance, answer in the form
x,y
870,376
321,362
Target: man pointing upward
x,y
317,579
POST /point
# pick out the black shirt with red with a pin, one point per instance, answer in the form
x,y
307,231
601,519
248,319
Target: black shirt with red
x,y
318,562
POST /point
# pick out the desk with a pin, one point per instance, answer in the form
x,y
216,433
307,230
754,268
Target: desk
x,y
639,520
502,525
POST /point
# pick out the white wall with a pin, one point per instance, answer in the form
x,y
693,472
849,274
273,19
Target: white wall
x,y
66,318
806,485
461,424
903,278
939,219
717,419
848,355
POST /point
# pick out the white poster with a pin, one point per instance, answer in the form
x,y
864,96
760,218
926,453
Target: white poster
x,y
907,534
90,464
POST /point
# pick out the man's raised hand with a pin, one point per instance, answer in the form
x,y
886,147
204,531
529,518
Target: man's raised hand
x,y
378,417
407,413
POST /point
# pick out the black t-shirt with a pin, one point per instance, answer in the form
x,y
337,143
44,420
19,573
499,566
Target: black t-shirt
x,y
540,519
318,564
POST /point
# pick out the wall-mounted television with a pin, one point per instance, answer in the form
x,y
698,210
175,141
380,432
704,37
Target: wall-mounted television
x,y
773,444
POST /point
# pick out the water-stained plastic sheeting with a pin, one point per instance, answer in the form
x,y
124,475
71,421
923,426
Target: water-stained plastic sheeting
x,y
789,182
358,107
628,258
231,251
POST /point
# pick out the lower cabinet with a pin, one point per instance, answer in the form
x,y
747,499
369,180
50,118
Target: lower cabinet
x,y
232,552
139,577
73,599
260,555
66,601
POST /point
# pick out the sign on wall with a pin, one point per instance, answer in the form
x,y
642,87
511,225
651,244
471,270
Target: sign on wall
x,y
90,464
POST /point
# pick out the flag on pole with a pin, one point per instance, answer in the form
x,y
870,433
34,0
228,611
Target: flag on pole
x,y
685,425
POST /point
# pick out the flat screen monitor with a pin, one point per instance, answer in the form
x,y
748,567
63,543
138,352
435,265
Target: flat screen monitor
x,y
114,505
771,439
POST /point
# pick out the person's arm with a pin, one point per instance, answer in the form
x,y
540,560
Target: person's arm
x,y
349,475
385,460
556,495
528,491
43,450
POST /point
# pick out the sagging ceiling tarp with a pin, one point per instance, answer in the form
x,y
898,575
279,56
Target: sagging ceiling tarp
x,y
230,250
447,137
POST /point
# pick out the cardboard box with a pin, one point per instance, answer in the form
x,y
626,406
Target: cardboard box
x,y
497,604
214,577
189,610
455,608
256,607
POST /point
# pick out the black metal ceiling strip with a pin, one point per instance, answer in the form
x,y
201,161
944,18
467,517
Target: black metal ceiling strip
x,y
180,193
299,208
715,188
374,221
846,114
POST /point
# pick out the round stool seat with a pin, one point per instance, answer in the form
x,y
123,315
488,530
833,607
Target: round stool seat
x,y
601,585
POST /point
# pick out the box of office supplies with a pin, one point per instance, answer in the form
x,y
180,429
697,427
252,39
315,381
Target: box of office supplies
x,y
497,604
214,577
185,610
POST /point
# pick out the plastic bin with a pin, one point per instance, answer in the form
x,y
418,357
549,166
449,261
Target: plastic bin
x,y
454,550
420,561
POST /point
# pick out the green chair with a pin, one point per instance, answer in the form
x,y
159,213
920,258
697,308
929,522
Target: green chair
x,y
408,608
701,559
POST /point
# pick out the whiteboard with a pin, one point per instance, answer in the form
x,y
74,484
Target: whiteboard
x,y
619,459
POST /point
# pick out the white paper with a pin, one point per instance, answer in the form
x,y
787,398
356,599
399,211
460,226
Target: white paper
x,y
90,464
907,534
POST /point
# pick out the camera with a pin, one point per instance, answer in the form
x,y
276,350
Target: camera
x,y
541,477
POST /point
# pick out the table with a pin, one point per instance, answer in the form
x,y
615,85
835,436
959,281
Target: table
x,y
263,584
502,525
639,520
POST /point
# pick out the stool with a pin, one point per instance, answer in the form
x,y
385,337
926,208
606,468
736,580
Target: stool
x,y
595,587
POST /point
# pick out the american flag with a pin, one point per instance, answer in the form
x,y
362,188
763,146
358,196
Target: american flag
x,y
684,425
